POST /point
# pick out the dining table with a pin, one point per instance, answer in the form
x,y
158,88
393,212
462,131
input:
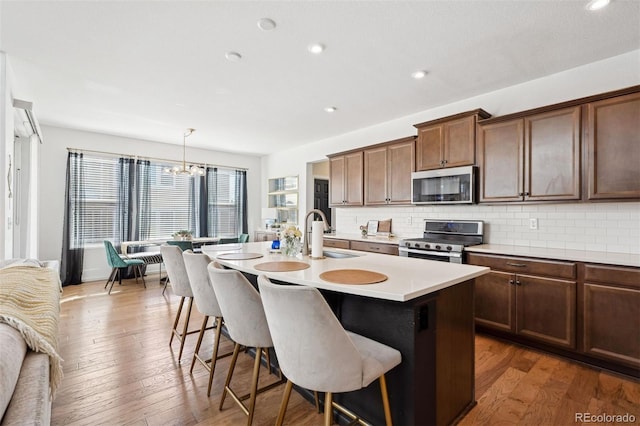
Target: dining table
x,y
124,246
154,257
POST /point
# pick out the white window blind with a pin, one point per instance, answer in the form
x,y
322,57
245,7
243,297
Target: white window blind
x,y
100,196
172,203
223,211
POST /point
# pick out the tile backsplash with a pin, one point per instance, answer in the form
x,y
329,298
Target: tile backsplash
x,y
607,227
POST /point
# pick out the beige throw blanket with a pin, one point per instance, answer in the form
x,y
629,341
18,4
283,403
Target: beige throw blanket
x,y
30,303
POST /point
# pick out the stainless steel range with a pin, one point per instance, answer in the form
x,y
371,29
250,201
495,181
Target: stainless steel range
x,y
443,240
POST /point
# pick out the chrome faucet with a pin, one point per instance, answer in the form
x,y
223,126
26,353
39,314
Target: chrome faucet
x,y
305,246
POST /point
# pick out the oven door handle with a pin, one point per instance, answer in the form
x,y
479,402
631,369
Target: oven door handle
x,y
430,253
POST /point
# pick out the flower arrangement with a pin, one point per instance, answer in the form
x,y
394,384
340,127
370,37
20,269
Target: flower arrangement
x,y
183,234
363,230
290,240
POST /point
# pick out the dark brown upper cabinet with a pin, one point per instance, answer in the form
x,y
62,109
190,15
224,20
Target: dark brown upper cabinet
x,y
345,179
613,145
387,172
533,158
448,142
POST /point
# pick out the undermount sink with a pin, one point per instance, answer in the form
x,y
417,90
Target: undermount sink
x,y
338,254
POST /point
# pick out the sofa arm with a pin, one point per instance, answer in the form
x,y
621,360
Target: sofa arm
x,y
31,400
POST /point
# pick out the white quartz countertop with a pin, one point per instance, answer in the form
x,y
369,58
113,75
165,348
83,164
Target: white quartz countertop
x,y
619,259
368,239
408,278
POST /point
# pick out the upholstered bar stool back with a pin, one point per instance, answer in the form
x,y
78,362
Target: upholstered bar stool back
x,y
314,350
207,303
177,273
245,320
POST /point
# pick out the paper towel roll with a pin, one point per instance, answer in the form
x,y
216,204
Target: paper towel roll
x,y
317,232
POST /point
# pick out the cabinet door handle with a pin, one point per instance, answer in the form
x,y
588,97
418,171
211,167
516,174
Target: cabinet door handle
x,y
518,282
518,265
374,248
511,282
526,194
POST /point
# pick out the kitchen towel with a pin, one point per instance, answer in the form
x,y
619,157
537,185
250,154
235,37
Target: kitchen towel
x,y
317,232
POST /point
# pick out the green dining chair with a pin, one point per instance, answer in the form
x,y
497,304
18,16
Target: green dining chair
x,y
183,244
118,263
228,240
244,238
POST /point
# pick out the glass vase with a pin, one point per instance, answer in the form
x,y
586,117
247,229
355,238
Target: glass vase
x,y
290,247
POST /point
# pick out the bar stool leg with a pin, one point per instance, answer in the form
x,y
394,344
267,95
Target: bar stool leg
x,y
175,323
185,329
254,385
385,400
232,366
195,353
328,409
285,402
214,357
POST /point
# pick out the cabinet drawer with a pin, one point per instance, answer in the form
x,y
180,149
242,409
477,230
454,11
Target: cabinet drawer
x,y
374,247
612,275
520,265
331,242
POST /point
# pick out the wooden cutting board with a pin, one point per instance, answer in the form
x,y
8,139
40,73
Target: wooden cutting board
x,y
353,276
281,266
239,256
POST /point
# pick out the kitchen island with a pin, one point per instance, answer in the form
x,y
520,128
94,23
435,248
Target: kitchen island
x,y
424,309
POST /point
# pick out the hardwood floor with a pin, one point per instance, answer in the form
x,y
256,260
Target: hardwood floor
x,y
119,369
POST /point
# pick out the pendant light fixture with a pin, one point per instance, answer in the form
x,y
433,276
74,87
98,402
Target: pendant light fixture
x,y
183,169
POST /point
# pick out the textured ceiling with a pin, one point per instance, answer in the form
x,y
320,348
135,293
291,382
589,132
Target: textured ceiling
x,y
150,69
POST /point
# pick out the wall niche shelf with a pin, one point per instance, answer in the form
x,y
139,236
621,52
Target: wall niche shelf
x,y
283,196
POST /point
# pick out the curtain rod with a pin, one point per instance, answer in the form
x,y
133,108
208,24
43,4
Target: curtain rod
x,y
115,154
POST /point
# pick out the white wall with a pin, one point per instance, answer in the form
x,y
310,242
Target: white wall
x,y
53,172
6,152
611,74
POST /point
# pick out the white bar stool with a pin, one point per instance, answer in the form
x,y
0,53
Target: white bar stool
x,y
245,320
207,304
315,352
174,263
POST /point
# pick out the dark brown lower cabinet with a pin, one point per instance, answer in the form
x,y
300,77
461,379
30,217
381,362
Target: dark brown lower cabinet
x,y
539,308
375,247
611,314
546,310
589,312
333,243
496,301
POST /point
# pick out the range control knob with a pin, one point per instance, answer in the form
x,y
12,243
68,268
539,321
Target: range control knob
x,y
437,247
427,246
449,248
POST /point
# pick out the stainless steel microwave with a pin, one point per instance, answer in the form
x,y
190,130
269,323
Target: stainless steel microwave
x,y
455,185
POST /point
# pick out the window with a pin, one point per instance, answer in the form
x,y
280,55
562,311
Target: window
x,y
225,210
99,195
120,199
170,204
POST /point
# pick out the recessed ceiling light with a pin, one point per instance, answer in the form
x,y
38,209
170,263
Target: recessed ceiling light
x,y
419,74
316,48
266,24
233,56
330,109
597,4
